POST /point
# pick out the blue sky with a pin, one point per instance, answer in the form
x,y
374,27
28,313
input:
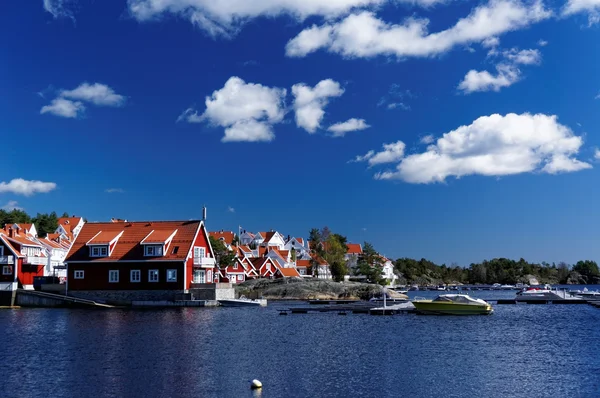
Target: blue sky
x,y
451,130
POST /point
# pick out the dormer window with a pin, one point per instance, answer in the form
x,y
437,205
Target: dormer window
x,y
153,250
98,251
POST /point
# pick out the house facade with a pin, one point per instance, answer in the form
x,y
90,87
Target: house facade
x,y
22,258
56,251
126,261
70,227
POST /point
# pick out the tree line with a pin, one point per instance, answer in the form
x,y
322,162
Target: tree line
x,y
498,270
45,223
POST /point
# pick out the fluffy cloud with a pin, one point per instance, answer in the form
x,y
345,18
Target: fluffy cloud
x,y
340,129
427,139
64,108
60,8
474,80
577,6
391,153
225,18
97,93
507,72
309,102
12,205
20,186
230,209
495,145
597,154
364,35
114,190
247,111
69,102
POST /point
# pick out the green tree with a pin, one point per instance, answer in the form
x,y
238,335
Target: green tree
x,y
587,268
563,272
334,253
46,223
370,264
223,256
316,249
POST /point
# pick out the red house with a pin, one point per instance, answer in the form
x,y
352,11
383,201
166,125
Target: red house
x,y
21,257
150,260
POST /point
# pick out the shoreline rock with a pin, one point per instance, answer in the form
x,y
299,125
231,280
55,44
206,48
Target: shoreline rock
x,y
302,289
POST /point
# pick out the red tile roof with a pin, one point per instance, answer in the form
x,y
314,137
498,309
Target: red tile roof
x,y
159,236
104,237
300,240
226,235
71,221
289,272
354,248
268,235
9,245
128,247
302,263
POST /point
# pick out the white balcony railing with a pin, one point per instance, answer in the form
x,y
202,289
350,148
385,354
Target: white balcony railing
x,y
7,259
35,260
204,261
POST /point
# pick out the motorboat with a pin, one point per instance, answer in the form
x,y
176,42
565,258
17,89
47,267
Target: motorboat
x,y
243,301
453,304
507,287
533,294
585,293
391,296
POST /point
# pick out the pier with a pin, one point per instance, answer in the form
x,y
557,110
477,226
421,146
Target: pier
x,y
350,307
33,298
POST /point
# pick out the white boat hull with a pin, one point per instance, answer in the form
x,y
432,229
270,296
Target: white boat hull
x,y
242,303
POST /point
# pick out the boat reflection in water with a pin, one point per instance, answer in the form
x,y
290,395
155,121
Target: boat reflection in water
x,y
452,304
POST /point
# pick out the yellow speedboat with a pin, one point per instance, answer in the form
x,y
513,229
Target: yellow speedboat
x,y
453,304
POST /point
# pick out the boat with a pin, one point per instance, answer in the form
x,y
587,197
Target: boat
x,y
507,287
243,301
452,304
585,293
391,296
545,294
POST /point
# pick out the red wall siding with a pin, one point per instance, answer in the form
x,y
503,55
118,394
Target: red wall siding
x,y
28,271
202,242
96,276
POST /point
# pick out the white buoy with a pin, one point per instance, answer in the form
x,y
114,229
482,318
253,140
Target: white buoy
x,y
255,384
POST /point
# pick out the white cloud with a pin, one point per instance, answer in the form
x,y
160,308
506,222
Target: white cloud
x,y
391,153
427,139
230,209
495,145
309,102
69,102
20,186
490,42
340,129
60,8
247,111
401,105
64,108
11,205
475,81
507,74
577,6
114,190
225,18
542,43
364,35
97,93
597,154
523,57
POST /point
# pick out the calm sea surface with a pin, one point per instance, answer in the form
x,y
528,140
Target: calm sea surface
x,y
519,351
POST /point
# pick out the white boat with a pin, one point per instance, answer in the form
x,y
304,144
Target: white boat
x,y
507,287
585,293
543,294
243,301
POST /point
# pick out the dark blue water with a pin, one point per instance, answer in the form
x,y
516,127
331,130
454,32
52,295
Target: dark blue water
x,y
519,351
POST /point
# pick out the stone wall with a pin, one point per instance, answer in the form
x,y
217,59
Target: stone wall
x,y
125,297
212,291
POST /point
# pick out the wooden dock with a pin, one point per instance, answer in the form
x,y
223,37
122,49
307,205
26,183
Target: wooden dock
x,y
513,301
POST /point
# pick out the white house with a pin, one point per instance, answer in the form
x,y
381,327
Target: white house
x,y
387,271
298,245
70,226
56,252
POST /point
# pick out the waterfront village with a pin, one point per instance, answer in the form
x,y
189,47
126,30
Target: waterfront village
x,y
121,260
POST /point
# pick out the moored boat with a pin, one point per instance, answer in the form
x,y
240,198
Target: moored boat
x,y
545,294
242,302
453,304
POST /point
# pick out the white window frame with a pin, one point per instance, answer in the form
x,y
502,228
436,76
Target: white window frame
x,y
199,252
240,277
99,251
153,272
170,274
235,265
7,270
1,250
111,274
153,250
137,273
78,274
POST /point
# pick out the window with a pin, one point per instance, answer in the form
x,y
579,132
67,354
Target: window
x,y
135,275
240,277
113,276
235,265
199,252
268,267
78,274
154,251
153,275
98,251
209,275
7,270
171,275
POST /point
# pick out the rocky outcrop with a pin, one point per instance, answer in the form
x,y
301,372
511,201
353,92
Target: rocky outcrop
x,y
302,289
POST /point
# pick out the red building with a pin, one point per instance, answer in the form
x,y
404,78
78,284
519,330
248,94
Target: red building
x,y
139,260
21,257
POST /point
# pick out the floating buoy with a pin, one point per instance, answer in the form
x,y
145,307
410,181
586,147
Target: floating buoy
x,y
256,384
